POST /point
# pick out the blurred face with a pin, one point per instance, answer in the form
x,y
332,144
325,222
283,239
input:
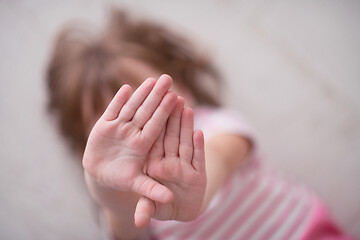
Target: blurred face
x,y
140,71
143,71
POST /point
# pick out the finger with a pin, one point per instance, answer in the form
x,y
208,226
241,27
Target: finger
x,y
198,160
148,187
157,150
172,135
157,122
145,209
116,104
138,97
147,108
186,132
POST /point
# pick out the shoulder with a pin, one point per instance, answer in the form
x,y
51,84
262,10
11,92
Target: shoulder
x,y
214,120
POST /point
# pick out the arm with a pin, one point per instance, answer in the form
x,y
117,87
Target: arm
x,y
224,153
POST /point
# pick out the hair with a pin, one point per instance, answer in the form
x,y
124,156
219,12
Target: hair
x,y
86,67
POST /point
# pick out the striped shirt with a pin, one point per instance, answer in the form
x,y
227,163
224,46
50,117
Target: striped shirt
x,y
255,202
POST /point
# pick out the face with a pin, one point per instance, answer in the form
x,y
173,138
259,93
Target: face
x,y
140,71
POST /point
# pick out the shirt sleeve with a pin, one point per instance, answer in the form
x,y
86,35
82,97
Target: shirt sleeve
x,y
216,121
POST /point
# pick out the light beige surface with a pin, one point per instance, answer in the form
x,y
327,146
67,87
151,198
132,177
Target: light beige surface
x,y
292,68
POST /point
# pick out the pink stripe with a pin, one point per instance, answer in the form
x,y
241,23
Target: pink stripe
x,y
286,212
295,224
243,217
265,215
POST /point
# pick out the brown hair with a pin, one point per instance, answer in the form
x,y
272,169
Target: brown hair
x,y
83,66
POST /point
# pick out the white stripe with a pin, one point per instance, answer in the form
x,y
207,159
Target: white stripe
x,y
225,205
302,226
242,207
276,214
257,213
285,225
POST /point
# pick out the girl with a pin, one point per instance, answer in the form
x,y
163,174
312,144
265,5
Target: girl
x,y
142,158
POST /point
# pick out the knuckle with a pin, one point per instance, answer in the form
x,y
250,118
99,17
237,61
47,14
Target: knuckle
x,y
146,187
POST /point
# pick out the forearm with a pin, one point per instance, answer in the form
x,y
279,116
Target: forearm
x,y
117,208
217,173
224,154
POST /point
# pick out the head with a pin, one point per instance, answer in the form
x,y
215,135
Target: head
x,y
85,71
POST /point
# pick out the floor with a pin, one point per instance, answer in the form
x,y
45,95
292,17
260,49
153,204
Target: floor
x,y
291,67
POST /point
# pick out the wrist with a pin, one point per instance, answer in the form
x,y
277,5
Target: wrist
x,y
117,210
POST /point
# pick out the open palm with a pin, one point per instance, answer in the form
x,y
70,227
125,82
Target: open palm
x,y
177,161
119,144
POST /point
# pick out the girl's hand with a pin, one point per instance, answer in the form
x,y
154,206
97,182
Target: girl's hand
x,y
177,160
119,144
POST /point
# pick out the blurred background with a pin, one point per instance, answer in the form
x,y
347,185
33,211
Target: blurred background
x,y
291,67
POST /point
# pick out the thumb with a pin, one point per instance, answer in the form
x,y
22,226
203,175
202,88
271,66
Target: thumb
x,y
148,187
145,209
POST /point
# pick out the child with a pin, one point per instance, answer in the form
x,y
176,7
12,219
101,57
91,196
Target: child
x,y
143,158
